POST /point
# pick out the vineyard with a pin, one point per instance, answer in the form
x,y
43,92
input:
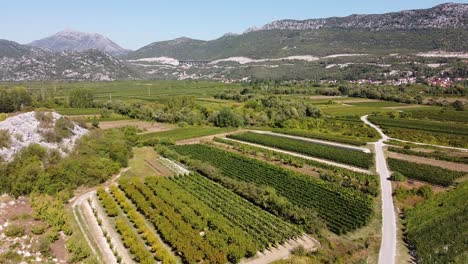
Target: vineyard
x,y
184,133
450,128
323,136
346,156
341,208
435,155
366,183
438,227
423,172
196,217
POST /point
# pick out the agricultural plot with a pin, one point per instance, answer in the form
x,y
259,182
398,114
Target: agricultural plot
x,y
346,156
450,128
423,172
202,220
323,136
342,209
437,228
439,114
185,133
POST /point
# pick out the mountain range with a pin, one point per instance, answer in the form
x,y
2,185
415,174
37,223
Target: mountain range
x,y
72,55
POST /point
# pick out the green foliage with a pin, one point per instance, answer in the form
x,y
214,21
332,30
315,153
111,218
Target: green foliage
x,y
50,209
96,157
437,227
182,133
365,183
352,157
231,227
439,114
39,229
14,231
151,240
226,118
81,98
5,139
78,248
398,177
132,242
329,200
435,155
14,99
107,202
423,172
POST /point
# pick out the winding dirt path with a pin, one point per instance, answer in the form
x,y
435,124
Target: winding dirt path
x,y
388,245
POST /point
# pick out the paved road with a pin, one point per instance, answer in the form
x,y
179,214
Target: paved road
x,y
388,245
318,141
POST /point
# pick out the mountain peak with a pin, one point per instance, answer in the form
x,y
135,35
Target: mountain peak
x,y
69,39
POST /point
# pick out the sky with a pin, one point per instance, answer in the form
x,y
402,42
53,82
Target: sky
x,y
135,23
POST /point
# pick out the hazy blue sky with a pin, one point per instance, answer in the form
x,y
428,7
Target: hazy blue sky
x,y
135,23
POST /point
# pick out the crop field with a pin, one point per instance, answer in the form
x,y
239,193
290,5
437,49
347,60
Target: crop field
x,y
438,227
346,156
323,136
194,216
137,90
377,104
423,172
185,133
439,114
363,182
78,111
342,209
438,127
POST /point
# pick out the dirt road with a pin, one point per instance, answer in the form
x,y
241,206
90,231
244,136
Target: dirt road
x,y
388,245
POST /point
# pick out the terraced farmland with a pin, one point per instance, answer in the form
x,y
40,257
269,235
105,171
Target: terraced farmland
x,y
341,208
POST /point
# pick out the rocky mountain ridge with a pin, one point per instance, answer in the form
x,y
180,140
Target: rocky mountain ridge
x,y
24,63
79,41
449,15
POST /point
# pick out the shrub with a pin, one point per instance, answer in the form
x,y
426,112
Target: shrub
x,y
38,229
398,177
14,231
5,139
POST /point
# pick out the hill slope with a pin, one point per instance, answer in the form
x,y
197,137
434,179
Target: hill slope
x,y
24,63
440,28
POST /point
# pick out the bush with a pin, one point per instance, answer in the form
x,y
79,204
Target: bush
x,y
38,229
14,231
5,139
398,177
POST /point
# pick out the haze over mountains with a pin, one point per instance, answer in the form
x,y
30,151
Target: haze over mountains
x,y
73,55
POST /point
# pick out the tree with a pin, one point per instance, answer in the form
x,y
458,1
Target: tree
x,y
226,118
81,98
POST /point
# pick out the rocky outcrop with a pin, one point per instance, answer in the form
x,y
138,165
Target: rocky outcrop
x,y
25,129
450,15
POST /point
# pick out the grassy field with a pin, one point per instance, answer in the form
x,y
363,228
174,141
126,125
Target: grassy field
x,y
145,162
